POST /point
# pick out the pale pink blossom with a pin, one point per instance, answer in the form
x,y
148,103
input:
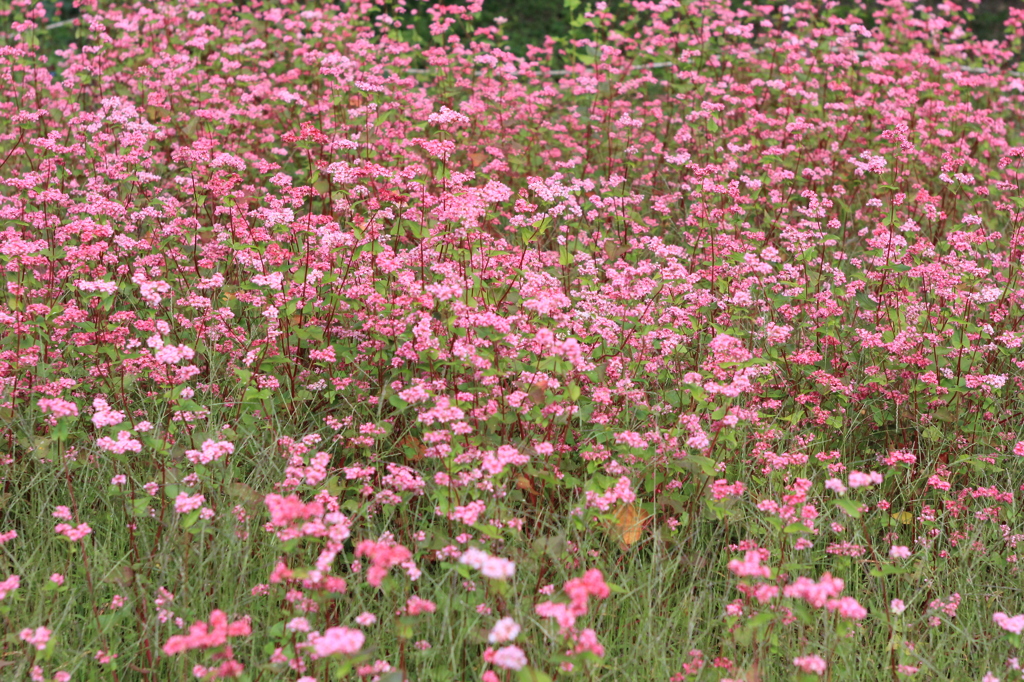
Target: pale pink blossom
x,y
510,658
337,640
505,630
811,664
1014,624
37,638
899,552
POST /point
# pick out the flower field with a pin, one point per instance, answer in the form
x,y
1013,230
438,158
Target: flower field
x,y
341,343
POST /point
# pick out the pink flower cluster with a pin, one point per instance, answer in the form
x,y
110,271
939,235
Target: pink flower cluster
x,y
37,638
207,636
1014,624
286,510
579,590
810,664
505,630
211,451
73,533
495,568
721,489
417,605
345,641
507,657
750,565
185,503
124,443
9,585
848,607
382,555
103,414
816,594
859,479
620,492
58,407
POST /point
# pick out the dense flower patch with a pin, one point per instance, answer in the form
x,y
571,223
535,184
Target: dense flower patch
x,y
342,343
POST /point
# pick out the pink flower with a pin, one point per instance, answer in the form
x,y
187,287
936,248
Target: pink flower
x,y
587,641
382,556
836,485
336,641
505,630
185,503
103,658
416,605
816,594
205,636
57,407
510,658
12,583
859,479
104,416
811,664
1014,624
495,568
847,607
721,489
286,510
561,613
899,552
749,566
73,533
124,443
897,606
366,619
37,638
211,452
297,625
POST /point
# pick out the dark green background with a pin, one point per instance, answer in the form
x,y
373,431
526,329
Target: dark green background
x,y
531,20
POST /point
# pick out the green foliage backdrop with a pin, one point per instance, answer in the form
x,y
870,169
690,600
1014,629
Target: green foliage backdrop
x,y
531,20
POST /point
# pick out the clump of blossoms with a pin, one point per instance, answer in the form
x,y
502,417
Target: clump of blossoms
x,y
309,308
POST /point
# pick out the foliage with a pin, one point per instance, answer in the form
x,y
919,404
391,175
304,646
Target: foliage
x,y
341,344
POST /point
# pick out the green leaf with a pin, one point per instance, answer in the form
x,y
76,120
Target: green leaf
x,y
487,529
190,519
539,228
529,674
573,392
849,506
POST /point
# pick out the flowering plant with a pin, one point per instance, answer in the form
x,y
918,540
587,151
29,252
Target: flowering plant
x,y
335,339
